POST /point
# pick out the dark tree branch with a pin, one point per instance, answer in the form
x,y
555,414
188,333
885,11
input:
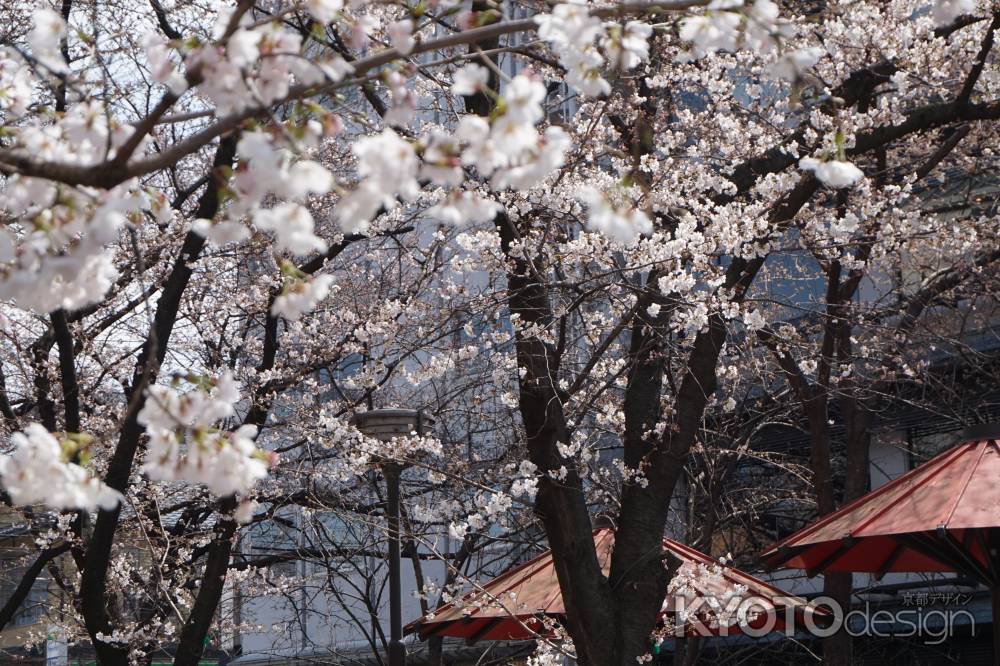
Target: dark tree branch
x,y
560,504
43,386
979,63
213,580
262,405
92,584
27,581
5,406
67,370
959,23
856,87
163,22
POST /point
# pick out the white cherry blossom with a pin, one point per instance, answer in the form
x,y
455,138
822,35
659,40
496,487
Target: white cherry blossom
x,y
306,177
523,98
623,225
293,228
832,173
534,165
301,296
387,167
479,150
16,84
676,174
324,11
44,40
401,36
186,445
791,65
462,207
569,24
470,79
627,46
946,11
584,72
574,33
711,32
221,232
37,472
728,26
440,153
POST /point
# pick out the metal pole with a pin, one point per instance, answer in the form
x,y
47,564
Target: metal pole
x,y
238,608
993,557
995,606
397,651
303,601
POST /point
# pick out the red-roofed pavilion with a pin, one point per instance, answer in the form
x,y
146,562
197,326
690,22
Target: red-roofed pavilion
x,y
942,516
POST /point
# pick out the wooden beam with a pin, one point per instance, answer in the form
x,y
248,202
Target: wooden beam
x,y
487,627
846,543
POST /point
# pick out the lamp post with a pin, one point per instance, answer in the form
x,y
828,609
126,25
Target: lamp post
x,y
384,424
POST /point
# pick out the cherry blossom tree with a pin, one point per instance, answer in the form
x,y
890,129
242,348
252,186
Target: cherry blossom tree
x,y
228,227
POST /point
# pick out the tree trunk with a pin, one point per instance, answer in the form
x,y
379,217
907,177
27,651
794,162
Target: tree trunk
x,y
213,582
560,504
93,602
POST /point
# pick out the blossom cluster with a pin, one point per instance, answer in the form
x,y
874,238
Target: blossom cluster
x,y
946,11
267,170
726,25
185,443
300,295
508,150
832,173
44,470
620,223
357,453
492,506
574,32
254,65
708,583
54,256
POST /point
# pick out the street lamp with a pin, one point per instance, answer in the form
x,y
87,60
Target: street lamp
x,y
384,424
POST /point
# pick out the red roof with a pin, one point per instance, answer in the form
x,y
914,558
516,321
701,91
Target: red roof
x,y
512,606
933,518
